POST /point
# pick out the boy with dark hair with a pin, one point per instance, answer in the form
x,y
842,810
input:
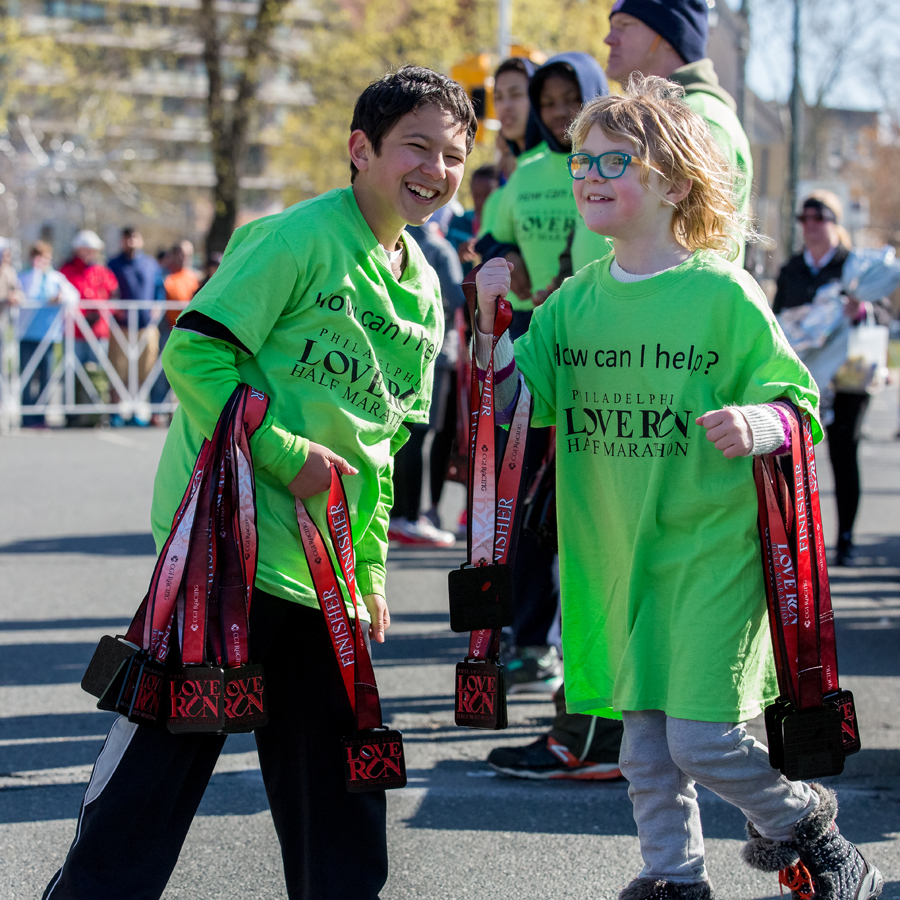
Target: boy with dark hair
x,y
330,310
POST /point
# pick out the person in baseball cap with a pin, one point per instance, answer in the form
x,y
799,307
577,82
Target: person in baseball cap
x,y
87,240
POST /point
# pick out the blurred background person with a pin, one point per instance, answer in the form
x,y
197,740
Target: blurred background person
x,y
46,288
138,276
462,229
10,289
94,282
826,246
407,524
213,261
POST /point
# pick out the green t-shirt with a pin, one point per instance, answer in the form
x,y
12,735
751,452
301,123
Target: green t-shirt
x,y
662,593
537,211
345,352
488,213
588,246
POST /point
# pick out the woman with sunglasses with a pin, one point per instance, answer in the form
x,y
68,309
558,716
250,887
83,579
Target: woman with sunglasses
x,y
826,246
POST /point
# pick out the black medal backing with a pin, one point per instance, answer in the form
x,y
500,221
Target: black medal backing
x,y
105,667
374,760
481,695
480,597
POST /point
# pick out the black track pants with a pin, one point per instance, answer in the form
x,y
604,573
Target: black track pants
x,y
147,783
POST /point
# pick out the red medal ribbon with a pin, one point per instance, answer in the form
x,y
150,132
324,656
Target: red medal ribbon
x,y
347,638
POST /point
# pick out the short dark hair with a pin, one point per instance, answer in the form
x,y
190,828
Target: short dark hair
x,y
513,64
384,102
129,230
489,172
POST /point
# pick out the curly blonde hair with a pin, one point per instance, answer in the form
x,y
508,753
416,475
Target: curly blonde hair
x,y
670,137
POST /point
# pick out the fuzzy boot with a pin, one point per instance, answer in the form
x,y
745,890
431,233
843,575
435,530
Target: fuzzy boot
x,y
651,889
818,861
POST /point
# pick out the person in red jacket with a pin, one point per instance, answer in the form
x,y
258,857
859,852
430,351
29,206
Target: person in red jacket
x,y
93,282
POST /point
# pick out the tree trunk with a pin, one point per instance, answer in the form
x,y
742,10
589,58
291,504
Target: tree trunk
x,y
229,132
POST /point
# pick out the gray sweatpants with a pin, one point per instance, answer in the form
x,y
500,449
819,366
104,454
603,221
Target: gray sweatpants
x,y
662,758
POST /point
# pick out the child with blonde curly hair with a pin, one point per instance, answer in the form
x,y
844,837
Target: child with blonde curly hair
x,y
635,360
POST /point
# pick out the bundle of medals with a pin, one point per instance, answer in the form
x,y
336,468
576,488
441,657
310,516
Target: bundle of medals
x,y
373,756
812,726
200,593
481,589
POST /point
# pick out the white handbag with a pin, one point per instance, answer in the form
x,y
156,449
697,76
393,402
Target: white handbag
x,y
864,370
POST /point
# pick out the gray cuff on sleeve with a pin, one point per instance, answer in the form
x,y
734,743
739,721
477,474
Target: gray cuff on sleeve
x,y
503,355
765,427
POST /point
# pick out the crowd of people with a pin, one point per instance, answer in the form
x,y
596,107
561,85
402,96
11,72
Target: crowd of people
x,y
39,290
608,221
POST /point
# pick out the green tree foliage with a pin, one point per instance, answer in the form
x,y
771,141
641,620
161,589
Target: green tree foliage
x,y
356,43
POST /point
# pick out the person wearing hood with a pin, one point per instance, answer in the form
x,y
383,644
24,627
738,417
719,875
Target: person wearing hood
x,y
668,38
536,212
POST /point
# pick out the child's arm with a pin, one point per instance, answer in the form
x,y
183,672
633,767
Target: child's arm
x,y
490,286
757,429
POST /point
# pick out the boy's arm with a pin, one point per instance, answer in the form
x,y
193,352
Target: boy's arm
x,y
203,373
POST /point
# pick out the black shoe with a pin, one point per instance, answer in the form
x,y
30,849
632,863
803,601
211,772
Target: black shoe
x,y
818,860
652,889
549,760
844,549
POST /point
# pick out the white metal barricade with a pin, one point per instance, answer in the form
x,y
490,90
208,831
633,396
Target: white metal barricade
x,y
60,395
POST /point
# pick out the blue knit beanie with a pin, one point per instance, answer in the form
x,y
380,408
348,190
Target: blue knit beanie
x,y
683,23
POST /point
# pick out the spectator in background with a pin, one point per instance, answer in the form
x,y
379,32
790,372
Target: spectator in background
x,y
181,283
138,278
406,524
826,246
518,122
94,282
462,229
43,286
10,289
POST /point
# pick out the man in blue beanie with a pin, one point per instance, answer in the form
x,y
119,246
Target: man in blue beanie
x,y
668,38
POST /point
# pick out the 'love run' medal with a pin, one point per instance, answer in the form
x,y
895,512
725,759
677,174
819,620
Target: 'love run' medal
x,y
373,755
481,600
812,726
200,591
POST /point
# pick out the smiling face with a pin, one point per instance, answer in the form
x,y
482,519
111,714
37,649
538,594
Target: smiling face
x,y
624,207
511,104
560,103
417,171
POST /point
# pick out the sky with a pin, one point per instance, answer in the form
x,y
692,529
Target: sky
x,y
856,40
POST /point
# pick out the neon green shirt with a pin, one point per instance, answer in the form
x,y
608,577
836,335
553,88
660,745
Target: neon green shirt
x,y
537,212
662,593
346,354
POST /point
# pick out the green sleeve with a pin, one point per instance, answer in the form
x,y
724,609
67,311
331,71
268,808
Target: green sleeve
x,y
502,220
536,359
371,551
203,373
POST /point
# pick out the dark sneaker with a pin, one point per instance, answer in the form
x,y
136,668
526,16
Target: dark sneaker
x,y
652,889
533,670
818,861
548,760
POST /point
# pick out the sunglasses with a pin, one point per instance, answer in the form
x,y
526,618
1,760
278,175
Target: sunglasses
x,y
813,217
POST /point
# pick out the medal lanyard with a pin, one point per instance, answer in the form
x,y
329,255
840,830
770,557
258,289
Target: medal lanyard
x,y
796,576
191,555
492,500
347,638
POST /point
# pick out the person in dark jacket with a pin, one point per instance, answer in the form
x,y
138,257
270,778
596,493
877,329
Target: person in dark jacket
x,y
825,250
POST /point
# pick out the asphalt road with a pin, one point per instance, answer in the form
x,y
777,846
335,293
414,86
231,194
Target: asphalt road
x,y
75,557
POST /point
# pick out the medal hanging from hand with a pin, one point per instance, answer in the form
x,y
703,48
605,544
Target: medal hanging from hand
x,y
812,726
481,589
373,755
202,586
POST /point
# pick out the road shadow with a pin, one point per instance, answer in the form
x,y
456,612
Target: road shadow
x,y
109,625
136,544
426,556
429,648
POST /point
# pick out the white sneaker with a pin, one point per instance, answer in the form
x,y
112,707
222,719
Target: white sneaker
x,y
419,532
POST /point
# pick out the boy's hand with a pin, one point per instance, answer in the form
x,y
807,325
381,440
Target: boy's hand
x,y
381,618
729,431
521,280
315,476
492,283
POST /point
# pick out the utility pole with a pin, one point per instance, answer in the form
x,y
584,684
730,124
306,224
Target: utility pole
x,y
796,135
504,16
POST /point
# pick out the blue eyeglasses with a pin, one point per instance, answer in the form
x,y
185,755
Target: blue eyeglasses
x,y
610,165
